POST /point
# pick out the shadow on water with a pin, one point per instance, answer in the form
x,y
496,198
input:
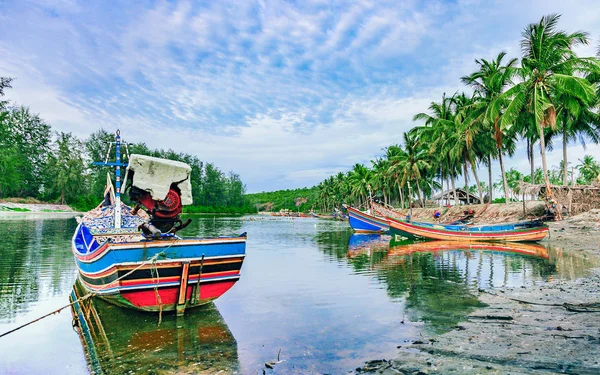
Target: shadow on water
x,y
122,341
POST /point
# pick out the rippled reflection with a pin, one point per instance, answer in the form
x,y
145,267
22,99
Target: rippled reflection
x,y
121,341
328,299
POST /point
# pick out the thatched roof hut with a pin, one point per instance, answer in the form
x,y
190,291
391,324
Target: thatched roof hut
x,y
575,198
461,195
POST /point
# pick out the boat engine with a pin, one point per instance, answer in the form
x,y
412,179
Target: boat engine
x,y
161,187
164,214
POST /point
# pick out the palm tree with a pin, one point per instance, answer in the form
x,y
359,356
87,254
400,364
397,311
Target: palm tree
x,y
489,82
547,71
359,179
380,178
577,121
589,169
468,134
414,164
396,157
440,132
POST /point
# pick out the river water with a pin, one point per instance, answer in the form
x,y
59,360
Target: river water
x,y
312,295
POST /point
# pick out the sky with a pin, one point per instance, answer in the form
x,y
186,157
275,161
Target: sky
x,y
283,93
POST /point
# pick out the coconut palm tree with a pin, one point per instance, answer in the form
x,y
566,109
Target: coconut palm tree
x,y
414,164
589,169
359,179
489,82
548,69
397,157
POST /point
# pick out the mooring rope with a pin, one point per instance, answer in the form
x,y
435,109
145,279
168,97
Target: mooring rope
x,y
85,297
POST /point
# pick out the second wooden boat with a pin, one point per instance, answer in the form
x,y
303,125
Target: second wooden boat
x,y
522,231
363,222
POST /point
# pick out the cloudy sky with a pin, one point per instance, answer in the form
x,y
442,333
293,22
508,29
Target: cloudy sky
x,y
283,93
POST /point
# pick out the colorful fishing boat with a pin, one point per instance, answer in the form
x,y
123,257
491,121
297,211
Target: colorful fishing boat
x,y
133,257
522,231
363,222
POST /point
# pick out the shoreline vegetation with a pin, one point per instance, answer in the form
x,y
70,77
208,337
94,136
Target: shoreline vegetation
x,y
55,167
550,94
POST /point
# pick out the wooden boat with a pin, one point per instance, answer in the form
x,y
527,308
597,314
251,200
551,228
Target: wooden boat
x,y
321,216
363,222
153,269
535,250
125,341
522,231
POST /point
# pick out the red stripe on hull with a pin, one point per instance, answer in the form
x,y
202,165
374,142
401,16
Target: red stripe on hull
x,y
168,296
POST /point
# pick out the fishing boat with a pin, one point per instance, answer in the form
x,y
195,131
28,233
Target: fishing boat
x,y
365,222
133,257
320,216
522,231
123,341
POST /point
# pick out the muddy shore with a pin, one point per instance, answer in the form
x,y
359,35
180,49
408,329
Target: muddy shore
x,y
550,327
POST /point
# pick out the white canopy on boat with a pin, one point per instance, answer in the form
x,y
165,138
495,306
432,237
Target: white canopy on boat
x,y
155,175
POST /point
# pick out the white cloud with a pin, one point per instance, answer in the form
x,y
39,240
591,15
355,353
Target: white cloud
x,y
283,93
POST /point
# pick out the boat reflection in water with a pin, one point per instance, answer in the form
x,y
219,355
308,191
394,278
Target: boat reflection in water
x,y
120,341
438,281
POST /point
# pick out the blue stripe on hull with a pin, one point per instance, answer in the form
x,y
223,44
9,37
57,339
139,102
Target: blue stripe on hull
x,y
361,224
177,251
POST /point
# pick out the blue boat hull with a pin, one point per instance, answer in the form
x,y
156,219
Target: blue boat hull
x,y
363,222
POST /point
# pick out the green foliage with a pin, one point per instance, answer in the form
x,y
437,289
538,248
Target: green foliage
x,y
283,199
589,170
35,163
551,92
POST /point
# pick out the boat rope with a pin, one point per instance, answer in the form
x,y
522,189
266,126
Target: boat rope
x,y
85,297
153,272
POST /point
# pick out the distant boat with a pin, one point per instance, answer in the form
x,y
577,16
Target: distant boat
x,y
363,222
522,231
135,259
319,216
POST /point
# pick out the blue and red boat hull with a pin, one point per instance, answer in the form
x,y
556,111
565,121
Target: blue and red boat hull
x,y
363,222
158,275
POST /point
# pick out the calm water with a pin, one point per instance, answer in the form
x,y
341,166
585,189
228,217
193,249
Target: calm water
x,y
327,299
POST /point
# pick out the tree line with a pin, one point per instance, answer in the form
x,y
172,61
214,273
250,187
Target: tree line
x,y
550,93
36,162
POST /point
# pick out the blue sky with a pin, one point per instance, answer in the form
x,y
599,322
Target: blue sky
x,y
283,93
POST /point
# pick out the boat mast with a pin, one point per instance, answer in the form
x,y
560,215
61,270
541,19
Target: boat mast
x,y
117,164
118,180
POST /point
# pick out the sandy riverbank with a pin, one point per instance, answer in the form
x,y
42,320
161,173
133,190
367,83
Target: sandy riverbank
x,y
18,211
552,327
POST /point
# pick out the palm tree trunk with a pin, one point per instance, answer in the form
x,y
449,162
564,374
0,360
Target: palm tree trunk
x,y
474,168
544,166
466,182
532,164
491,186
456,201
422,200
565,170
442,185
401,196
504,182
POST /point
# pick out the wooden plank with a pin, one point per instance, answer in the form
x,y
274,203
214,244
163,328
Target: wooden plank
x,y
183,283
